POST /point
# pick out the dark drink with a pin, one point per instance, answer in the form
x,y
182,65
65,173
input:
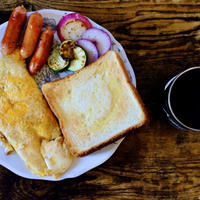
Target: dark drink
x,y
182,102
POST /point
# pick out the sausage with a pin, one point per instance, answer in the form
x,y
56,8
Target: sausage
x,y
13,30
42,51
31,35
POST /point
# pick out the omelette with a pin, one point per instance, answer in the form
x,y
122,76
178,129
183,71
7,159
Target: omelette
x,y
27,124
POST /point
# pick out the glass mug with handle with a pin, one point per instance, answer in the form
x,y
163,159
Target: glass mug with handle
x,y
182,100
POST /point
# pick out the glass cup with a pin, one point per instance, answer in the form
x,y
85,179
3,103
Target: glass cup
x,y
181,102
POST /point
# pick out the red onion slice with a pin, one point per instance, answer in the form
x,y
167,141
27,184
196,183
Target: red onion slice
x,y
90,48
72,26
101,39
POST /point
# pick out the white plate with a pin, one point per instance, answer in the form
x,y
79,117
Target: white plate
x,y
79,165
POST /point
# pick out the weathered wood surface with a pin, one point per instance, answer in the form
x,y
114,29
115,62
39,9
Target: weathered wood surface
x,y
161,38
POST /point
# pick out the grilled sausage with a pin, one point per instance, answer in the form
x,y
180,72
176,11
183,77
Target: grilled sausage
x,y
42,51
31,35
13,30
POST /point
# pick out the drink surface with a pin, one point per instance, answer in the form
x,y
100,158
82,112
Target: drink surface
x,y
185,98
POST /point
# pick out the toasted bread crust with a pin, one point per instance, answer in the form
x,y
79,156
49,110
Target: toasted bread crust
x,y
135,92
117,136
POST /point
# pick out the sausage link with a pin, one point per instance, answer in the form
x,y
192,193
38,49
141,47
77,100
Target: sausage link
x,y
42,51
13,30
31,35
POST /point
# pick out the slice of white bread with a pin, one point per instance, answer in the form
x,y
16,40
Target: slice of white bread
x,y
96,105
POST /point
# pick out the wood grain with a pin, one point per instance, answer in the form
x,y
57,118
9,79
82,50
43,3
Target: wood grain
x,y
161,38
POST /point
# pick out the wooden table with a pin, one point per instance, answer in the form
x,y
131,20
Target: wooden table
x,y
161,39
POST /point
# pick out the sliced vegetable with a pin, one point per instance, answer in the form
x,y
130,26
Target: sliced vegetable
x,y
90,48
67,49
80,59
72,26
100,38
55,61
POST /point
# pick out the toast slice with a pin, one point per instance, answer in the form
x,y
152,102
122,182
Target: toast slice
x,y
96,105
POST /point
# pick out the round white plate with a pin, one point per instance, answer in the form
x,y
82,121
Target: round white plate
x,y
79,165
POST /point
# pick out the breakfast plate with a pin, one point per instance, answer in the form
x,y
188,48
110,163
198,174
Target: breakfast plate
x,y
79,165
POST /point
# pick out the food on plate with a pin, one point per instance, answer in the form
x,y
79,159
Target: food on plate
x,y
56,155
101,39
12,35
67,55
72,26
78,28
31,35
79,61
67,49
4,143
90,48
97,105
55,60
13,30
42,51
27,122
